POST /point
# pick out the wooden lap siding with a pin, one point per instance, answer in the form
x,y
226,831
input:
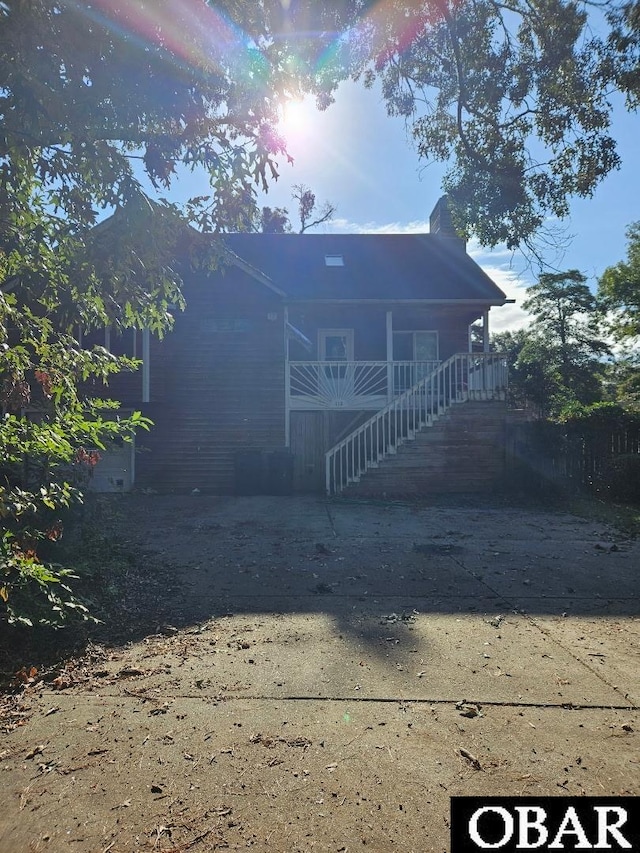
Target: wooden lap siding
x,y
312,434
221,374
369,325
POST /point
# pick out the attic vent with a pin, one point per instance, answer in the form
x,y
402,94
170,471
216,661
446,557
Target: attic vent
x,y
333,261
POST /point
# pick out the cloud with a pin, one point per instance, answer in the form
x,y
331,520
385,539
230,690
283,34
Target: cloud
x,y
343,226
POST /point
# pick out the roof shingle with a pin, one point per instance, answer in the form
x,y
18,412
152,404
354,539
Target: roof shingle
x,y
376,267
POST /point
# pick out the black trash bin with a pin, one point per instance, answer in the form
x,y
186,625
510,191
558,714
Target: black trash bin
x,y
251,472
280,472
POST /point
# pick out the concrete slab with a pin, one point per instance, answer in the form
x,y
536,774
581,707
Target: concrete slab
x,y
286,674
126,774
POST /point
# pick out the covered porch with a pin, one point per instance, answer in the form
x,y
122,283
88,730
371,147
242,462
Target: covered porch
x,y
360,358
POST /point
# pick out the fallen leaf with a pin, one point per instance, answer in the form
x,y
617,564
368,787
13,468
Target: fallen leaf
x,y
473,761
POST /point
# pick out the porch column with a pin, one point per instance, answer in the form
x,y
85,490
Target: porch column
x,y
287,382
485,331
146,366
390,388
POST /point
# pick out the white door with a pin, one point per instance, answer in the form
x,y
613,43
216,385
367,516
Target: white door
x,y
335,346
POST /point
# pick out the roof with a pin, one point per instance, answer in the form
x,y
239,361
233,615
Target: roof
x,y
389,267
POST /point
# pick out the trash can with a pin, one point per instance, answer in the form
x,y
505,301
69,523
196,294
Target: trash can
x,y
280,472
250,472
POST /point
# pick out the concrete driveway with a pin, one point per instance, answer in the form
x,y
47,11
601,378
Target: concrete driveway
x,y
325,676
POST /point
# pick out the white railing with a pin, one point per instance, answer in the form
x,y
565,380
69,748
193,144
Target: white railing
x,y
466,376
352,385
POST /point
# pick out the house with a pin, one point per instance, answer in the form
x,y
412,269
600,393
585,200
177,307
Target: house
x,y
319,362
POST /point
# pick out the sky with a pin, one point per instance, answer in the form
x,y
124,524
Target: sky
x,y
363,162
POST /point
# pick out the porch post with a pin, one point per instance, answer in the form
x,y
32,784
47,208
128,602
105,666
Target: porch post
x,y
485,331
287,383
390,383
146,366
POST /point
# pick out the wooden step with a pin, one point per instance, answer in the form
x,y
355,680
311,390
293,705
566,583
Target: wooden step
x,y
463,452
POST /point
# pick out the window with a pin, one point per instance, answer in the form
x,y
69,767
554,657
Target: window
x,y
334,260
335,344
225,324
415,346
416,352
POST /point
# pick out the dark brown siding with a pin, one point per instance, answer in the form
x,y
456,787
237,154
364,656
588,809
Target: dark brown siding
x,y
312,434
370,331
219,384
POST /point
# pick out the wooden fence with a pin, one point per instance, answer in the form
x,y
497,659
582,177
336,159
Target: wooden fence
x,y
604,460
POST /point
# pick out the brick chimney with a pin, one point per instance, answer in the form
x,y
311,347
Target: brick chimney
x,y
440,223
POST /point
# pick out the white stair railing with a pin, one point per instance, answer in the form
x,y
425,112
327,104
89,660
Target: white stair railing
x,y
465,376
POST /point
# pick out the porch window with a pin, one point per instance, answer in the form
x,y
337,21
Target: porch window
x,y
415,346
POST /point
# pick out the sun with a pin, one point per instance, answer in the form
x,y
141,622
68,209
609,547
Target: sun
x,y
296,124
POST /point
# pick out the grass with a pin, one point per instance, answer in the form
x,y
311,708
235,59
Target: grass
x,y
625,517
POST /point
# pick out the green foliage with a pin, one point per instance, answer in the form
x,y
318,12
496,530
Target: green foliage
x,y
515,99
274,221
557,361
619,290
622,382
34,592
93,97
624,48
309,214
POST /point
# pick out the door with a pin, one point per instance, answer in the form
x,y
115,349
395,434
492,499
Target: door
x,y
335,381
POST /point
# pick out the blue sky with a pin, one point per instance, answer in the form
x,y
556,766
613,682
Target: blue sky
x,y
361,160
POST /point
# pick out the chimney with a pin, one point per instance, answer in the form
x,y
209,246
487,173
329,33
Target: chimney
x,y
440,223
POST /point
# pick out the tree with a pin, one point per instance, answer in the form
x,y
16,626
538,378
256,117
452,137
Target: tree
x,y
624,45
94,100
534,379
566,324
514,98
274,220
619,291
307,208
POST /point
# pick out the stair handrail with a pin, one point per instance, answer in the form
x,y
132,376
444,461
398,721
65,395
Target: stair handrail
x,y
435,397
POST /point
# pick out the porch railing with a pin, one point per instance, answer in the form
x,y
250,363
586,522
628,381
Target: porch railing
x,y
352,384
466,376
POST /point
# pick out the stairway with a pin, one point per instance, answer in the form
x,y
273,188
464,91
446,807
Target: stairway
x,y
443,434
461,452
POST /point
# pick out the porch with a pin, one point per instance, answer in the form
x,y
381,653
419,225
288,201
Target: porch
x,y
351,385
360,386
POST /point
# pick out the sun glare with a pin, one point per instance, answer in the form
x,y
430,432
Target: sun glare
x,y
296,122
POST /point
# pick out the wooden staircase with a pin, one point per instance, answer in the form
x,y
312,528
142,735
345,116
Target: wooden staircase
x,y
445,434
462,452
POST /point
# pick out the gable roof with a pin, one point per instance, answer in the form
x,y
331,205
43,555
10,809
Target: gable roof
x,y
375,267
